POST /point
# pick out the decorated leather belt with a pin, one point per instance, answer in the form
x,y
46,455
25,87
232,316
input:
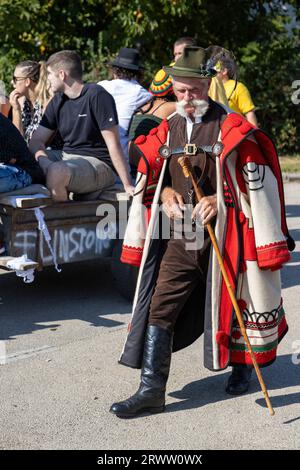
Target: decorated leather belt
x,y
191,149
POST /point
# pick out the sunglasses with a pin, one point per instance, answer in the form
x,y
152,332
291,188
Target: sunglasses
x,y
17,79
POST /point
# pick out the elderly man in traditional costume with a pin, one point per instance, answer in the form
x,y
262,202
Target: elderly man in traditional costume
x,y
180,291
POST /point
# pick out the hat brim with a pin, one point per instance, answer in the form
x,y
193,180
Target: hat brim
x,y
121,65
188,73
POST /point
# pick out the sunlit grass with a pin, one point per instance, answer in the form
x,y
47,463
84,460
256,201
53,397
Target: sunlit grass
x,y
290,164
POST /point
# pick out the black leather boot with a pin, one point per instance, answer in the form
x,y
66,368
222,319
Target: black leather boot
x,y
238,382
150,396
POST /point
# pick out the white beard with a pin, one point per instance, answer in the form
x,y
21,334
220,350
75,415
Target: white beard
x,y
201,106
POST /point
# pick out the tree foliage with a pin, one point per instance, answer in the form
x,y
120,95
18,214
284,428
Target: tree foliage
x,y
264,37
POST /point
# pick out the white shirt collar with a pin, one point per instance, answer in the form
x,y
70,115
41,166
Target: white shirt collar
x,y
197,120
189,125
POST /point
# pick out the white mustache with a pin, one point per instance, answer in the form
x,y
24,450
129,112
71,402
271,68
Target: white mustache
x,y
201,106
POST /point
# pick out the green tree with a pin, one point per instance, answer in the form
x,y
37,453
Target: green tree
x,y
262,35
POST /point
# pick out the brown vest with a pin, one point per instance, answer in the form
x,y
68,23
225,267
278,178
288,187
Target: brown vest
x,y
204,133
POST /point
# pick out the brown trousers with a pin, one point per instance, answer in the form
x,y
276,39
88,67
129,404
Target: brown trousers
x,y
181,272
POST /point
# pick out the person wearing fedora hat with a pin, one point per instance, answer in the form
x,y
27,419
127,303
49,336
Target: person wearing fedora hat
x,y
128,94
128,58
216,90
180,291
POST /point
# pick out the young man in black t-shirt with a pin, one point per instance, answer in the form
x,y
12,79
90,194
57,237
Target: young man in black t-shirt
x,y
86,118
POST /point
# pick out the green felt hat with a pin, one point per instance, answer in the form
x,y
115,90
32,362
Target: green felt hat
x,y
195,62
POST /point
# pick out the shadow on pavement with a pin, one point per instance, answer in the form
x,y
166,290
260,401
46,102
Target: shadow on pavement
x,y
292,210
280,375
82,291
290,274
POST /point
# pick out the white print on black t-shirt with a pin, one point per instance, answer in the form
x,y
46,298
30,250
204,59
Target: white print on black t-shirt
x,y
82,115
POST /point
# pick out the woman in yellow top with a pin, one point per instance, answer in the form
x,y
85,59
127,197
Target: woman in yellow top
x,y
237,93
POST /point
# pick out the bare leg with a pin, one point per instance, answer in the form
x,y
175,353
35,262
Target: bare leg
x,y
44,163
58,179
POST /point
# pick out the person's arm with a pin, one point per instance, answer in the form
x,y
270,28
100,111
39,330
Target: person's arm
x,y
112,140
16,110
143,97
265,219
104,109
246,104
43,134
37,146
251,117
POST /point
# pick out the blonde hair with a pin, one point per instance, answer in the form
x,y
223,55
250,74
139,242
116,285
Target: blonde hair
x,y
37,72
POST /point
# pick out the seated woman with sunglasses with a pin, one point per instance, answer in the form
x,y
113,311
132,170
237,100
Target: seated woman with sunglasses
x,y
30,97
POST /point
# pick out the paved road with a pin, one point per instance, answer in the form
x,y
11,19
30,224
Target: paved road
x,y
63,335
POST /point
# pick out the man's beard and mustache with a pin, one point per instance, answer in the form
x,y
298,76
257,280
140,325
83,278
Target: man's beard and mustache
x,y
201,106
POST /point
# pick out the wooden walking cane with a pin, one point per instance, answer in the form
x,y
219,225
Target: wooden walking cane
x,y
189,173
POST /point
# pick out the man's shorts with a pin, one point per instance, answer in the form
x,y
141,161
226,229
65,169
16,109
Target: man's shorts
x,y
88,174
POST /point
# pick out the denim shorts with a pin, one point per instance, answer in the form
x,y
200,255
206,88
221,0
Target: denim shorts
x,y
12,178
